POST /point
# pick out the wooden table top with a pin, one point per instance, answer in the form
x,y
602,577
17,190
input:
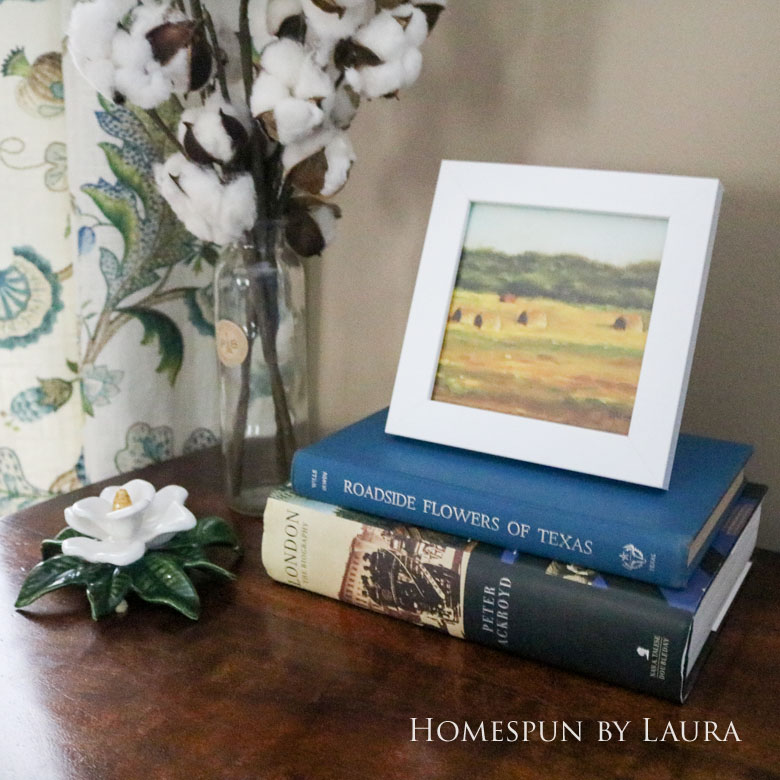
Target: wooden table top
x,y
273,682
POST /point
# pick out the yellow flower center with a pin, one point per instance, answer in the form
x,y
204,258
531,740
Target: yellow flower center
x,y
121,500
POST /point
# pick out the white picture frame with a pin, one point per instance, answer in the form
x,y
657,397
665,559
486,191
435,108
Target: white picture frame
x,y
644,454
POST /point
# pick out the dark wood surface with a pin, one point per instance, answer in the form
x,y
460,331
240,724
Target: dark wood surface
x,y
273,682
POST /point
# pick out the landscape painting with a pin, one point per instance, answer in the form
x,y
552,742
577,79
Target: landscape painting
x,y
549,315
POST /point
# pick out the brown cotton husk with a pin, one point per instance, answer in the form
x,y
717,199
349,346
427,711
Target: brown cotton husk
x,y
293,27
330,7
432,13
235,130
303,233
193,149
403,20
200,62
390,4
351,54
309,174
268,121
170,38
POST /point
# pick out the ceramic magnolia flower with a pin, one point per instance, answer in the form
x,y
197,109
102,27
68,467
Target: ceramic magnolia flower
x,y
123,522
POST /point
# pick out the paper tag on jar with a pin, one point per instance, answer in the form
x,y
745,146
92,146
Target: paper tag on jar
x,y
232,344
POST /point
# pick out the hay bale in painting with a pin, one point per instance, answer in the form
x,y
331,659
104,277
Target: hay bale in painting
x,y
533,318
456,315
507,297
629,322
478,321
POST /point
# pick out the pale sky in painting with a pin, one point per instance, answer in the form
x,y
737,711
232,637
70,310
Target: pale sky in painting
x,y
616,239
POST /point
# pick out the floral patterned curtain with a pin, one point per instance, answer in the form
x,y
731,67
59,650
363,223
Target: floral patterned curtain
x,y
106,324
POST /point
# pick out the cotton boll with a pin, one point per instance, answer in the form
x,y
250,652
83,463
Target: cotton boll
x,y
147,17
93,26
326,217
295,118
313,82
415,25
340,155
283,59
178,71
341,106
377,81
383,35
171,179
278,11
215,132
90,35
209,133
130,52
297,152
432,10
267,92
237,210
412,65
328,28
311,224
323,170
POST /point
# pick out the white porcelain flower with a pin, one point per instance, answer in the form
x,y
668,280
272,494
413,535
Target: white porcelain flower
x,y
121,536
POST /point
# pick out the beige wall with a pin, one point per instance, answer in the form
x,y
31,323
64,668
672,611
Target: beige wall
x,y
668,86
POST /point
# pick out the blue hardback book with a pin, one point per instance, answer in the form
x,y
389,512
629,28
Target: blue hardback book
x,y
638,532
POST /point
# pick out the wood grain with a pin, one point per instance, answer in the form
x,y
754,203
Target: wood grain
x,y
273,682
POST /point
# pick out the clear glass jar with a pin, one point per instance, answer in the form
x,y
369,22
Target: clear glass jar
x,y
260,313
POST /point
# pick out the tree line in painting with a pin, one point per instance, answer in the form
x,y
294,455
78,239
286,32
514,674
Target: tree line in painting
x,y
570,278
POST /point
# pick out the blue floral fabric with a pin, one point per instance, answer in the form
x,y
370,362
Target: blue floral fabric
x,y
106,321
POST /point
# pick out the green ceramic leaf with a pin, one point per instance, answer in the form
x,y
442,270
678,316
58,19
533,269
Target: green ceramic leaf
x,y
107,589
53,573
72,365
169,338
193,557
209,530
160,579
52,547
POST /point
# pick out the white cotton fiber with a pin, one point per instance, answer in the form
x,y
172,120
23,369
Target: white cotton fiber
x,y
266,93
412,65
295,119
416,30
340,156
307,146
330,28
90,36
209,209
237,210
325,217
313,83
278,11
341,107
384,36
283,59
209,132
377,81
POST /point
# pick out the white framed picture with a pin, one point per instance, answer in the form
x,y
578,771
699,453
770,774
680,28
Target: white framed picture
x,y
555,314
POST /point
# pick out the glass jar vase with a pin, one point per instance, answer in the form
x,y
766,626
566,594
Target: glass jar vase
x,y
260,313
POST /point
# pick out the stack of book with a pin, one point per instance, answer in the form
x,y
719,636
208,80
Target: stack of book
x,y
625,583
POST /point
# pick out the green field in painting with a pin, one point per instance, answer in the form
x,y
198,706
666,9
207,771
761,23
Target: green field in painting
x,y
570,366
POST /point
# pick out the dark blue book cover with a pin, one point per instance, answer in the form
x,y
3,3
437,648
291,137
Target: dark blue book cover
x,y
631,633
638,532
